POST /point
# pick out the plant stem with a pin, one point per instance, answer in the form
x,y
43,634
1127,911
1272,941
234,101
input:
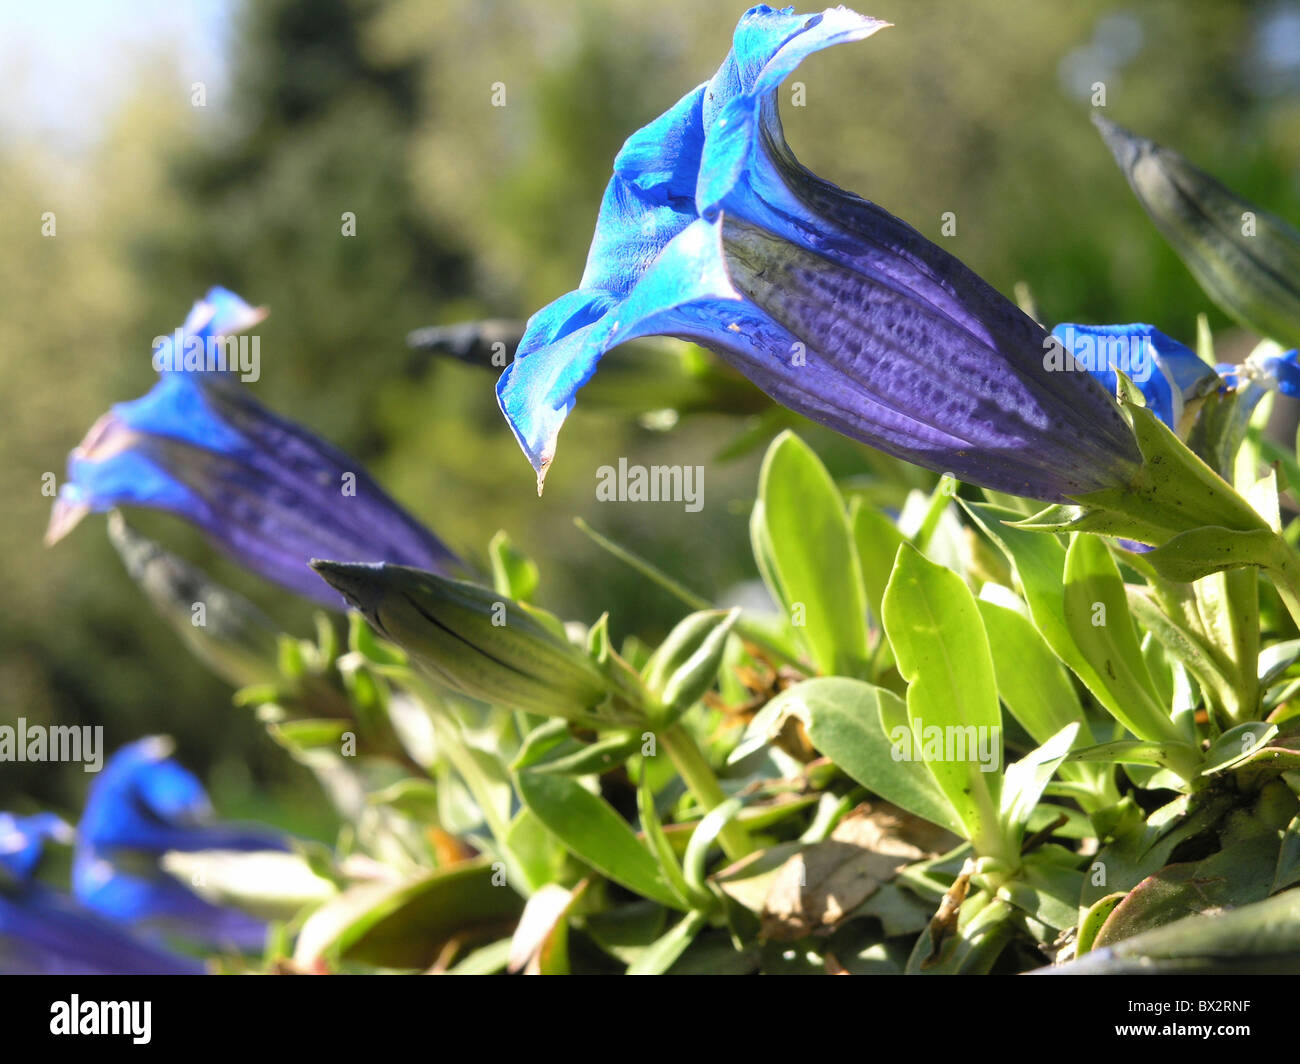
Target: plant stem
x,y
1286,578
701,782
743,628
447,734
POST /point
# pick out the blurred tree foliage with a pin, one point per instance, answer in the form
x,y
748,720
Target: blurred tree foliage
x,y
466,209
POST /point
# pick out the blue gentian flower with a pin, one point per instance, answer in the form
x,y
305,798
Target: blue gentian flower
x,y
263,489
1168,374
1281,371
43,932
141,806
22,842
712,231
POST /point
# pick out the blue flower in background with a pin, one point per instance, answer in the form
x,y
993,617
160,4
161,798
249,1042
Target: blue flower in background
x,y
712,231
263,489
141,806
1280,371
1171,375
43,932
1168,374
22,842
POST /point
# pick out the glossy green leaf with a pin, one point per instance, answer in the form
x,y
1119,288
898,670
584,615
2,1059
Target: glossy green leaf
x,y
669,865
405,924
1024,781
1097,614
538,855
1263,938
514,574
1096,915
486,960
1287,873
808,557
594,832
938,638
664,952
1047,889
269,884
1030,678
984,928
843,718
877,539
1129,752
1236,745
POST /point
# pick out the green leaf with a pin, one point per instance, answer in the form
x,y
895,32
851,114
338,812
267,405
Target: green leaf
x,y
1239,874
1129,752
1030,678
984,928
269,884
572,757
1096,915
1259,939
669,865
1275,660
412,797
594,832
1141,847
1202,551
1039,562
406,924
309,734
1047,889
486,960
1024,781
843,718
1287,873
1097,613
514,574
1237,745
1181,633
801,535
877,539
938,638
538,855
664,952
702,839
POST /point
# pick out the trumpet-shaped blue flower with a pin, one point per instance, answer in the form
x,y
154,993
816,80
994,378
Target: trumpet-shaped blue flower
x,y
1168,374
1280,371
22,842
141,806
263,489
1171,375
43,932
712,231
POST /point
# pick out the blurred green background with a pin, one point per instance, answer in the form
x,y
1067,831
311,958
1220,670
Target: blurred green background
x,y
466,210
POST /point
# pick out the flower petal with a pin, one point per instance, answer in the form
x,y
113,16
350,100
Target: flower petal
x,y
536,391
1167,373
268,492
